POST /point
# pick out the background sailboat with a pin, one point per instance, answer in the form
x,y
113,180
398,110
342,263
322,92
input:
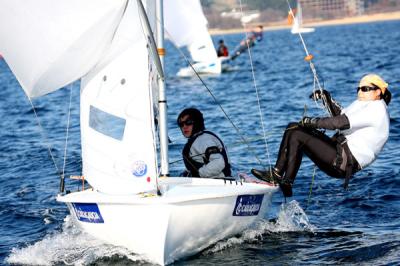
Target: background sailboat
x,y
186,26
108,45
297,26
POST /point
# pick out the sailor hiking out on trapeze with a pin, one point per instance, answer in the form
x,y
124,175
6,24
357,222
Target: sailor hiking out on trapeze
x,y
363,129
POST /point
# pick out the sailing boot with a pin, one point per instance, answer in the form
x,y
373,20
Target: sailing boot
x,y
267,176
274,178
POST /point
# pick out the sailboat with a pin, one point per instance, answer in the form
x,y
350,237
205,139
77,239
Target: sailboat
x,y
132,201
298,21
186,26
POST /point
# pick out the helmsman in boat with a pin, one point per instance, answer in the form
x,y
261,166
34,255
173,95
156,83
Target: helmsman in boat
x,y
204,153
222,50
362,130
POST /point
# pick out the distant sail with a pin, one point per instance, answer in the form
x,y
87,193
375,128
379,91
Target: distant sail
x,y
186,25
298,21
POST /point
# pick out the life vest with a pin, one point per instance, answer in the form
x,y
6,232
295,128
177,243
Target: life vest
x,y
193,166
222,51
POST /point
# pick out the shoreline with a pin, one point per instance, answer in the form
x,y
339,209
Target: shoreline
x,y
343,21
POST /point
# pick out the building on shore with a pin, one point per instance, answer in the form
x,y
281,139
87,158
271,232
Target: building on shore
x,y
329,9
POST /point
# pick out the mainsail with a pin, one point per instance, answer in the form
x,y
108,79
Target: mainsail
x,y
102,42
186,25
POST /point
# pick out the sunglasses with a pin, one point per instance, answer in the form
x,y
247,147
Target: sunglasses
x,y
367,88
188,122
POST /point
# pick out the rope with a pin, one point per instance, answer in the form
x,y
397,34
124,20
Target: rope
x,y
256,89
311,186
271,132
215,100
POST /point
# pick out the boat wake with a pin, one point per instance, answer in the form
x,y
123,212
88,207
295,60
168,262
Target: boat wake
x,y
70,247
291,218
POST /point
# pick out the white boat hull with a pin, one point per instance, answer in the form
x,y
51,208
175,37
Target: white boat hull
x,y
191,215
302,30
202,68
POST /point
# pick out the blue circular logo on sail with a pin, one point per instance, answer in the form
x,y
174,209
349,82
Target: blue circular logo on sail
x,y
139,168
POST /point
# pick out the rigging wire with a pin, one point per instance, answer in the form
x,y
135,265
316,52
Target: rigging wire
x,y
272,132
256,89
66,139
44,137
47,142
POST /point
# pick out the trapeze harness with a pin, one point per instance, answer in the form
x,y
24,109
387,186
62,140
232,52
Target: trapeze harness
x,y
345,160
193,166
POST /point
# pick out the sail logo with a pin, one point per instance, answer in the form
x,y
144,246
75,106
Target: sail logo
x,y
88,212
139,168
248,205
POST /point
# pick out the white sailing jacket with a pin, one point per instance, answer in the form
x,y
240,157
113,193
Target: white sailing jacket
x,y
216,164
369,129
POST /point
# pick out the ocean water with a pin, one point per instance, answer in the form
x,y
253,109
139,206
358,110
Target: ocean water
x,y
329,226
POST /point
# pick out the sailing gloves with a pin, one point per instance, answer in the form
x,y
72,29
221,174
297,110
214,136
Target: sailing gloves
x,y
333,107
340,122
337,119
318,94
309,122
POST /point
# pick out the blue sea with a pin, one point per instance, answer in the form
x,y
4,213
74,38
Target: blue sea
x,y
322,224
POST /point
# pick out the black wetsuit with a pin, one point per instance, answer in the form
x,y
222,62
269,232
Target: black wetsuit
x,y
330,154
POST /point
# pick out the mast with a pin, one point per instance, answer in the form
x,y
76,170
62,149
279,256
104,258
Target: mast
x,y
162,101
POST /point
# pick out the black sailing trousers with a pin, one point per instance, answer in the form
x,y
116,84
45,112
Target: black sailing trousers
x,y
320,148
